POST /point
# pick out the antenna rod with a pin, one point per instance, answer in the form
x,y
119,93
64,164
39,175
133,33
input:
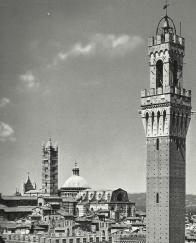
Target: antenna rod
x,y
180,28
166,7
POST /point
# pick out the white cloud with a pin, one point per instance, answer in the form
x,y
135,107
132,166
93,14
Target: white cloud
x,y
62,56
106,44
29,80
79,49
6,132
4,101
116,45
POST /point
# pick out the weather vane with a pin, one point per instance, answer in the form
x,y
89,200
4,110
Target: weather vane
x,y
165,7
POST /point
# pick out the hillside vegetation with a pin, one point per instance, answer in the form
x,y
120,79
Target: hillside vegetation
x,y
140,200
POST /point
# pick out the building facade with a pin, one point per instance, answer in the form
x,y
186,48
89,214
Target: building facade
x,y
50,168
111,203
166,113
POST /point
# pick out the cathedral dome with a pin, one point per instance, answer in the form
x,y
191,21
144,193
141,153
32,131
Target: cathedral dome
x,y
75,181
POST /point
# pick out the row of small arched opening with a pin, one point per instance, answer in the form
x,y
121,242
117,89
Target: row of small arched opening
x,y
158,115
178,121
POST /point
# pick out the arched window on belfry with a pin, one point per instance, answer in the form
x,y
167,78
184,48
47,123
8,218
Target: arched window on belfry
x,y
164,118
147,117
175,73
177,122
152,120
158,119
159,74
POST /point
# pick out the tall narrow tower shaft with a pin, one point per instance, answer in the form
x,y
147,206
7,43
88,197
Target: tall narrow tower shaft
x,y
50,168
166,113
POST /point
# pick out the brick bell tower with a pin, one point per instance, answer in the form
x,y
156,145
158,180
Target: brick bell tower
x,y
166,114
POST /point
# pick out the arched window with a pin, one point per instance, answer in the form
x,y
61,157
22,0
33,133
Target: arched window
x,y
158,119
173,121
177,143
120,197
182,122
164,118
147,117
152,120
186,121
175,73
157,144
159,74
177,122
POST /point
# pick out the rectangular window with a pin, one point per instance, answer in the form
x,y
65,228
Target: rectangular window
x,y
57,240
157,144
91,239
157,198
97,239
64,240
84,240
78,240
70,240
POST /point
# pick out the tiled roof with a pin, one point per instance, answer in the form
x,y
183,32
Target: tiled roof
x,y
18,198
23,225
8,225
63,213
2,206
19,209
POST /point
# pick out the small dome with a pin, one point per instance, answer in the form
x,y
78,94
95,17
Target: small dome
x,y
76,181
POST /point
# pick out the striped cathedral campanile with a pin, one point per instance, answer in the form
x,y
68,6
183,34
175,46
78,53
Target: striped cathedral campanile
x,y
166,114
50,168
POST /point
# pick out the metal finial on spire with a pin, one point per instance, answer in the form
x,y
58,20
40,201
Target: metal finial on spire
x,y
166,6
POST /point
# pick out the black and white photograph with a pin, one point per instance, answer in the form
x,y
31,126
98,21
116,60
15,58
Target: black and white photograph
x,y
97,121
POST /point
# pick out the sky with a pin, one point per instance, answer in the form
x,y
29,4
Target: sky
x,y
73,71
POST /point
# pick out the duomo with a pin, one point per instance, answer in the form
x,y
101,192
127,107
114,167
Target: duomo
x,y
75,197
